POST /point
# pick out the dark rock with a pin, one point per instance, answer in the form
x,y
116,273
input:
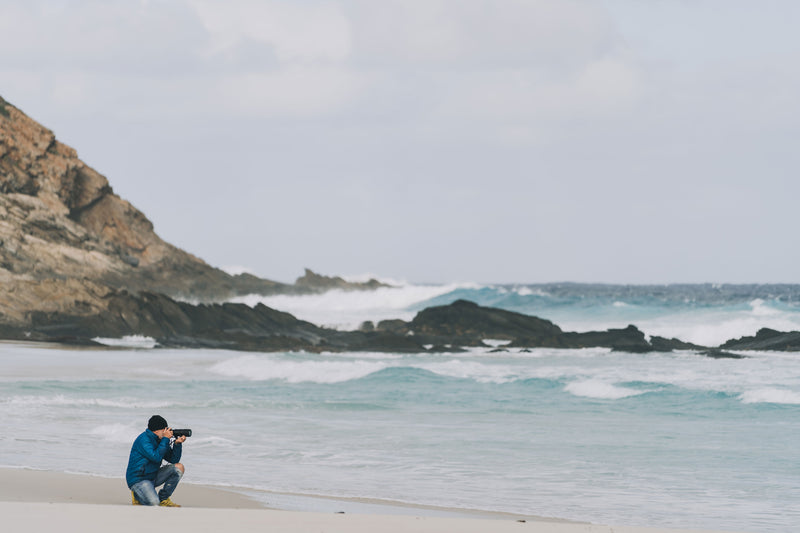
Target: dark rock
x,y
172,323
661,344
319,283
439,348
628,339
376,341
766,339
716,353
395,326
465,323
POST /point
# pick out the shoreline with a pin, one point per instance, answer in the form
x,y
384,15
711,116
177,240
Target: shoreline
x,y
67,502
26,484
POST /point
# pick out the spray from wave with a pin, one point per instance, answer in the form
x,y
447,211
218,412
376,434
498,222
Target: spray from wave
x,y
347,310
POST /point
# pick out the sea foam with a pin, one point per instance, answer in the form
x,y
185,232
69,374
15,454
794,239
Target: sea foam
x,y
771,395
129,341
592,388
482,373
63,400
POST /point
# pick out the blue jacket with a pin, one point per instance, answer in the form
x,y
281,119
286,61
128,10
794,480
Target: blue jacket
x,y
147,453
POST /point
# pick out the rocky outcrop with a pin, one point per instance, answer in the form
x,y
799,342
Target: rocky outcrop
x,y
180,324
465,323
766,339
628,339
662,344
173,323
313,282
67,240
446,328
716,353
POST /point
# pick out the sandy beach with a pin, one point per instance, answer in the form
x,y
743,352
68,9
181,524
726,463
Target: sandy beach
x,y
44,501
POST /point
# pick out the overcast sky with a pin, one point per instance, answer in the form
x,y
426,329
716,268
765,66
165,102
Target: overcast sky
x,y
634,141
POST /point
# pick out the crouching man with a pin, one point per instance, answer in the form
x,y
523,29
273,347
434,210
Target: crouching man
x,y
145,472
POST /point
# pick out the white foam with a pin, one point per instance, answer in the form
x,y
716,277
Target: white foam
x,y
760,308
524,291
61,400
129,341
482,373
592,388
260,368
771,395
347,310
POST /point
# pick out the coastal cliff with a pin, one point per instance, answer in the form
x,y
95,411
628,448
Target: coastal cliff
x,y
68,243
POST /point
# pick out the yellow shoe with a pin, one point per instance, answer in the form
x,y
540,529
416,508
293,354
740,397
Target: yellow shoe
x,y
134,501
168,503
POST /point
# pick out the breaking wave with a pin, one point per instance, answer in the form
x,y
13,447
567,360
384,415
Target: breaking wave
x,y
129,341
347,310
592,388
771,395
62,400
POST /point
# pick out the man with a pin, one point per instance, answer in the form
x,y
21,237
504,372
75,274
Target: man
x,y
145,472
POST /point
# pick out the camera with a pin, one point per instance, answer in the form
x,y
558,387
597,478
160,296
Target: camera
x,y
181,433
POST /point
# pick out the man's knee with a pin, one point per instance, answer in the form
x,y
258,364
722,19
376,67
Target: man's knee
x,y
149,501
180,467
144,494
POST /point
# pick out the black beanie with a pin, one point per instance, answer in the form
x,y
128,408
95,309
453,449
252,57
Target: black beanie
x,y
156,422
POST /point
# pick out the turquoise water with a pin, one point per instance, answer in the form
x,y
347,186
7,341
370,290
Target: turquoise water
x,y
673,440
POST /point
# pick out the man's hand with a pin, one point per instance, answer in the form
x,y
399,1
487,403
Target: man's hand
x,y
168,433
180,439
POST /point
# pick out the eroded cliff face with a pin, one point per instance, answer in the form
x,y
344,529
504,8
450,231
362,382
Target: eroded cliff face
x,y
66,239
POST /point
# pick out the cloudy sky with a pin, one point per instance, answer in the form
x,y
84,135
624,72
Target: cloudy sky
x,y
435,140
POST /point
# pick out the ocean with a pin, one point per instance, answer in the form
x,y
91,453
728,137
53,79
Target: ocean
x,y
660,439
